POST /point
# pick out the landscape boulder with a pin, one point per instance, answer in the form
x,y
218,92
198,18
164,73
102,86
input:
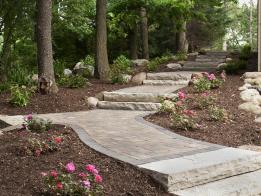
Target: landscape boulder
x,y
221,66
67,72
253,81
140,62
138,78
35,77
244,87
174,66
252,75
126,78
85,70
250,107
250,95
92,102
228,60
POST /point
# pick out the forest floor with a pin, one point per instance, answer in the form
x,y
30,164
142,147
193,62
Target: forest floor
x,y
66,100
239,129
118,178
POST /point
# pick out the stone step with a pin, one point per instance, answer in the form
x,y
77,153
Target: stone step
x,y
245,184
208,60
199,69
200,64
137,106
180,75
202,168
136,97
221,53
165,82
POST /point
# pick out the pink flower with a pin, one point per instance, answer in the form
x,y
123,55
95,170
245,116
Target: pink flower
x,y
54,174
86,184
43,173
59,185
70,167
188,112
58,140
211,77
179,103
82,175
98,179
38,152
90,168
181,95
204,94
29,117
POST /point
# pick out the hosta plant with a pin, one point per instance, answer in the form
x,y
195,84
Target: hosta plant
x,y
68,180
36,124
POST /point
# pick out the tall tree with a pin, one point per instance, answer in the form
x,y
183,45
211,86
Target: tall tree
x,y
144,33
44,47
102,62
182,38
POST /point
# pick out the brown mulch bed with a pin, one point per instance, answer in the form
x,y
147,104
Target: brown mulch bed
x,y
67,100
20,172
239,130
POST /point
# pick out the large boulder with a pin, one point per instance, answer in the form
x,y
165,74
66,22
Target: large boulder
x,y
174,66
92,102
253,81
222,66
35,77
250,95
126,78
140,62
228,60
252,75
67,72
244,87
138,78
250,107
85,70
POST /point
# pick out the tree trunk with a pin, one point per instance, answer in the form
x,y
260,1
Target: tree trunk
x,y
251,23
134,43
183,42
46,82
144,33
259,35
102,62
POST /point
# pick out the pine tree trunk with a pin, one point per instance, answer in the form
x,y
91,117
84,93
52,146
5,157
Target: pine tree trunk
x,y
102,62
259,35
133,38
144,33
183,42
46,82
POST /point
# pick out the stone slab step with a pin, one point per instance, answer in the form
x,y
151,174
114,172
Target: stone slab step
x,y
165,82
190,171
180,75
200,64
199,69
245,184
136,106
136,97
208,60
220,53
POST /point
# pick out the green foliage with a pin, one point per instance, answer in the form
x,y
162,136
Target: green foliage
x,y
180,57
4,87
245,52
181,121
89,60
217,114
20,75
153,64
235,66
20,96
59,67
202,85
203,101
37,125
120,66
74,81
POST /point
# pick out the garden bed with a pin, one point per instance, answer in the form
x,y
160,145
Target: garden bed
x,y
66,100
21,172
239,129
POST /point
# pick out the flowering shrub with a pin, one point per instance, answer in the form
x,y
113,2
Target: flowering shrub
x,y
203,101
38,147
36,124
183,120
207,82
70,182
217,114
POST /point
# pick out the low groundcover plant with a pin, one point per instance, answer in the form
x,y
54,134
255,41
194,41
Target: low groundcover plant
x,y
69,181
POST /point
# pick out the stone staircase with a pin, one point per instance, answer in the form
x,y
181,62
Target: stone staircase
x,y
207,62
148,96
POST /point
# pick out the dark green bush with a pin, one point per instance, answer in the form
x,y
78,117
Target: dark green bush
x,y
74,81
245,52
234,67
20,75
154,63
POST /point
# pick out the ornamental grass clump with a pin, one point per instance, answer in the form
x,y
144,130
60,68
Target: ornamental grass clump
x,y
69,181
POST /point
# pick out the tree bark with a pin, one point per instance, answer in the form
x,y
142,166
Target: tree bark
x,y
251,24
102,62
133,38
144,33
259,35
183,42
46,82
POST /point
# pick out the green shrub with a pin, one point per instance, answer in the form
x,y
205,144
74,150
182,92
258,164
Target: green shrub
x,y
20,75
180,57
4,87
37,125
20,96
245,52
217,114
234,67
74,81
120,66
59,67
202,85
89,60
154,63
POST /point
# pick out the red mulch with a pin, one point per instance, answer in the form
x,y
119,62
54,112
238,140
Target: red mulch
x,y
67,100
20,172
239,130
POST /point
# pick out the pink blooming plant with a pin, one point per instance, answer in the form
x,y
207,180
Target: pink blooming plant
x,y
211,77
181,95
70,167
98,179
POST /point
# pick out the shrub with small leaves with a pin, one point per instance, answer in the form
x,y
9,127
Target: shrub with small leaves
x,y
20,96
89,60
73,81
153,64
203,101
217,114
183,120
69,181
35,124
